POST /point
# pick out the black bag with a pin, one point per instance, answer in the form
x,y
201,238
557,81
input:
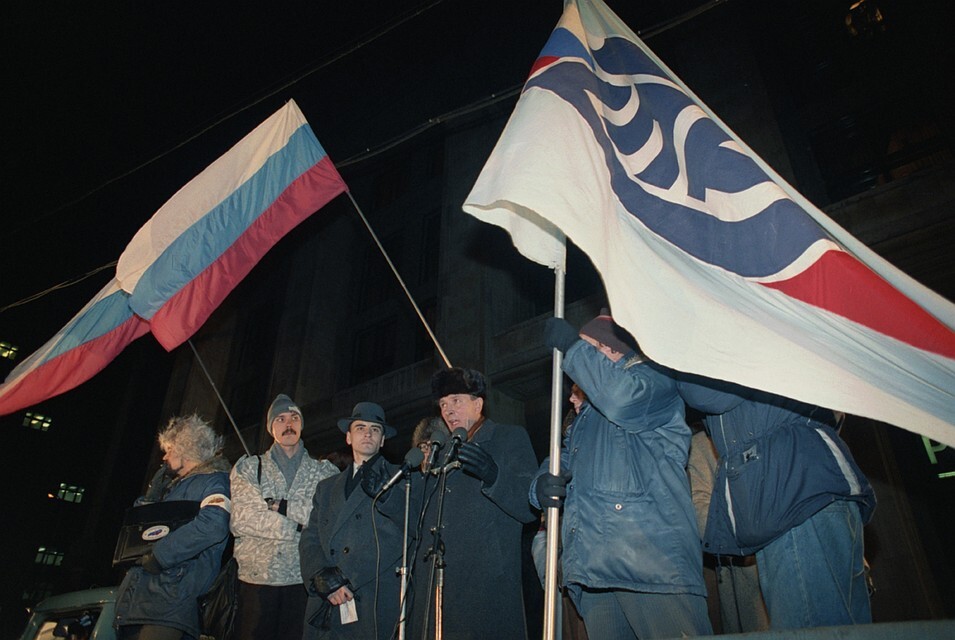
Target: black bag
x,y
217,608
145,524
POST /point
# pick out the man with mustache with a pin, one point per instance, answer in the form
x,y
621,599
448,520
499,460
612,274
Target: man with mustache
x,y
272,501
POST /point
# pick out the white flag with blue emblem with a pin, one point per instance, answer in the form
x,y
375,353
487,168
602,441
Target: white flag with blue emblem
x,y
713,262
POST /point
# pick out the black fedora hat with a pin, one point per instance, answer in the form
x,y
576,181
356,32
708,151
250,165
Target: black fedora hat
x,y
367,412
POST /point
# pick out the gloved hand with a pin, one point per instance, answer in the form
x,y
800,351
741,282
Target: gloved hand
x,y
559,334
157,485
551,490
372,478
477,462
150,564
328,581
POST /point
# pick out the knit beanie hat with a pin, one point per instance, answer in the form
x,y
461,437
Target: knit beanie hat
x,y
281,404
603,329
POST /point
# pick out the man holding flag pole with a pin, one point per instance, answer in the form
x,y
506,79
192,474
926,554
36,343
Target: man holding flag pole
x,y
713,262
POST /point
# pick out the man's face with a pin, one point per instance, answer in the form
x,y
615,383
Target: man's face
x,y
460,410
365,439
576,398
613,356
287,428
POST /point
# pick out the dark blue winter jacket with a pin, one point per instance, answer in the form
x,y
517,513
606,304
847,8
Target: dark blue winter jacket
x,y
190,557
780,462
628,520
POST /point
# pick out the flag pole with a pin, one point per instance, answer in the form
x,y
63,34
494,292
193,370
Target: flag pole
x,y
401,281
202,365
553,513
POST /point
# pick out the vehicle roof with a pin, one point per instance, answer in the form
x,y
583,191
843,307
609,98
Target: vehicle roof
x,y
78,599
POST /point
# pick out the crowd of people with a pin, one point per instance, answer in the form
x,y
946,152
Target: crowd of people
x,y
768,493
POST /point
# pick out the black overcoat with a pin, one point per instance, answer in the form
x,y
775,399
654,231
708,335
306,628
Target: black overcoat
x,y
483,595
340,533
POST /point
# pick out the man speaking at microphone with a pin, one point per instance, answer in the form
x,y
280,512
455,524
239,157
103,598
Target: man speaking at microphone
x,y
485,508
349,553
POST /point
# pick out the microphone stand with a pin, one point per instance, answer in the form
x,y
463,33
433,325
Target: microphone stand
x,y
403,570
437,552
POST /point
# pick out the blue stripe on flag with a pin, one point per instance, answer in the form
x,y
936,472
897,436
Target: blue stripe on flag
x,y
193,251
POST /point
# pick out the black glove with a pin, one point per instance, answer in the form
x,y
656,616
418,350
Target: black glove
x,y
372,478
559,334
328,581
551,490
150,564
283,507
157,486
477,462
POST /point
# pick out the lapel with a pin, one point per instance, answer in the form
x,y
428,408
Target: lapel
x,y
345,508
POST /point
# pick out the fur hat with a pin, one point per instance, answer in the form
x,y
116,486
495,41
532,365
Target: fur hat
x,y
603,329
458,380
281,404
367,412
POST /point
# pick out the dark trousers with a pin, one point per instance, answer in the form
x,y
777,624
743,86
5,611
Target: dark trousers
x,y
148,632
270,613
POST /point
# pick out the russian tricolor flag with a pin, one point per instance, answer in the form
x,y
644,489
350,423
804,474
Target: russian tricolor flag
x,y
210,234
181,265
80,350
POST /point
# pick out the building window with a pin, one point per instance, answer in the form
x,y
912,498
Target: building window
x,y
49,557
70,493
8,351
37,421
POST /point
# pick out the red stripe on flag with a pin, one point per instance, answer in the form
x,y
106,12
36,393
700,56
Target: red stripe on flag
x,y
542,62
839,283
70,369
185,312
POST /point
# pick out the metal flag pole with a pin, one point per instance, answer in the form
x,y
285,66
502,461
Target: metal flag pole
x,y
553,513
401,282
202,365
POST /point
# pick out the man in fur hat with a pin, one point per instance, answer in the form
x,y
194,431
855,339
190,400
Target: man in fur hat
x,y
349,552
484,512
272,500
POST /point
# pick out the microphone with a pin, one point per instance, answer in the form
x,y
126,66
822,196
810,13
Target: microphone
x,y
438,438
413,459
458,437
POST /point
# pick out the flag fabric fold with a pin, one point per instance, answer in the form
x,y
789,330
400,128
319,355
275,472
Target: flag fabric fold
x,y
200,244
188,257
713,262
80,350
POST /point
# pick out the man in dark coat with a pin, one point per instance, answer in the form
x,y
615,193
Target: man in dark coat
x,y
484,511
348,552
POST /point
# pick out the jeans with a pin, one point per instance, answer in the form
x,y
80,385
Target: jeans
x,y
813,576
616,614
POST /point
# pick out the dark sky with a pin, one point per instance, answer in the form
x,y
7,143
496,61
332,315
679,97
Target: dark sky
x,y
112,109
